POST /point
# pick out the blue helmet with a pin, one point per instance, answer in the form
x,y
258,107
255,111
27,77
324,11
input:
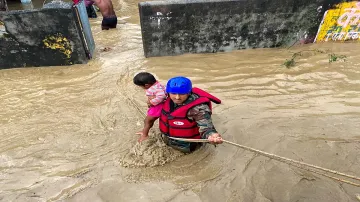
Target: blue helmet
x,y
179,85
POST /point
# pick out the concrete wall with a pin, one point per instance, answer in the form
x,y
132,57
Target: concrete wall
x,y
176,27
45,37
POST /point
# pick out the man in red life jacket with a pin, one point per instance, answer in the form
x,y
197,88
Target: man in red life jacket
x,y
187,114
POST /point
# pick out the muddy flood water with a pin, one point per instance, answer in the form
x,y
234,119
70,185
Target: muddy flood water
x,y
68,133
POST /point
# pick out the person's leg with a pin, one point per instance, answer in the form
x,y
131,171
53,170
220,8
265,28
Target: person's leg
x,y
148,124
153,114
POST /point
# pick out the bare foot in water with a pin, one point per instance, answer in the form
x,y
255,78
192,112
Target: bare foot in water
x,y
142,138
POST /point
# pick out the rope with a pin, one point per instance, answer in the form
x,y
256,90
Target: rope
x,y
329,176
284,160
272,156
292,161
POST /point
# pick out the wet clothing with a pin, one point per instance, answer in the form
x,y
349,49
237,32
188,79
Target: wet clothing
x,y
156,93
186,147
192,119
155,111
109,22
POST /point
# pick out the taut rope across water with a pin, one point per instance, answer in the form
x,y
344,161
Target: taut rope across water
x,y
288,161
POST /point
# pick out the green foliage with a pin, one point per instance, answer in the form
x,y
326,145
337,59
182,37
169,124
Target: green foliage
x,y
332,57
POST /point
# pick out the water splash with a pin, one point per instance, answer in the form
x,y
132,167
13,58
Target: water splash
x,y
149,153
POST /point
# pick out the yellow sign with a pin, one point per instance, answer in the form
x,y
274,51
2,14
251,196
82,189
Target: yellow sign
x,y
341,23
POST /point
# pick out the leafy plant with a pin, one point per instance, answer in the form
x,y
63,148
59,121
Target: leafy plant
x,y
292,61
333,57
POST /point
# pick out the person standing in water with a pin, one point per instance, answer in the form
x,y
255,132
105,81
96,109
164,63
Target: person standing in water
x,y
187,113
156,94
106,9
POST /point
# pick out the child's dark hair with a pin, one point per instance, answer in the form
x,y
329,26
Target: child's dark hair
x,y
144,78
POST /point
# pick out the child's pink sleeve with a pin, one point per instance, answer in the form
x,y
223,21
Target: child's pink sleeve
x,y
160,96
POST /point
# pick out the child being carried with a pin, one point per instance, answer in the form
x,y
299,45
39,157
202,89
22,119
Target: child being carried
x,y
156,95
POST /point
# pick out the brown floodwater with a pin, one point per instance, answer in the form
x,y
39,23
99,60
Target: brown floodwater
x,y
68,133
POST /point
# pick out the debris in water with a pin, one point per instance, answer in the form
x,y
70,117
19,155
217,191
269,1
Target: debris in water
x,y
106,49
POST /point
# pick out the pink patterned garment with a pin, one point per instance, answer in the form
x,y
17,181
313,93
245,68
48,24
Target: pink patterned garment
x,y
156,93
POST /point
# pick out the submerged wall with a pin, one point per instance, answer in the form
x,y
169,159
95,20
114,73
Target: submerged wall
x,y
176,27
51,36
